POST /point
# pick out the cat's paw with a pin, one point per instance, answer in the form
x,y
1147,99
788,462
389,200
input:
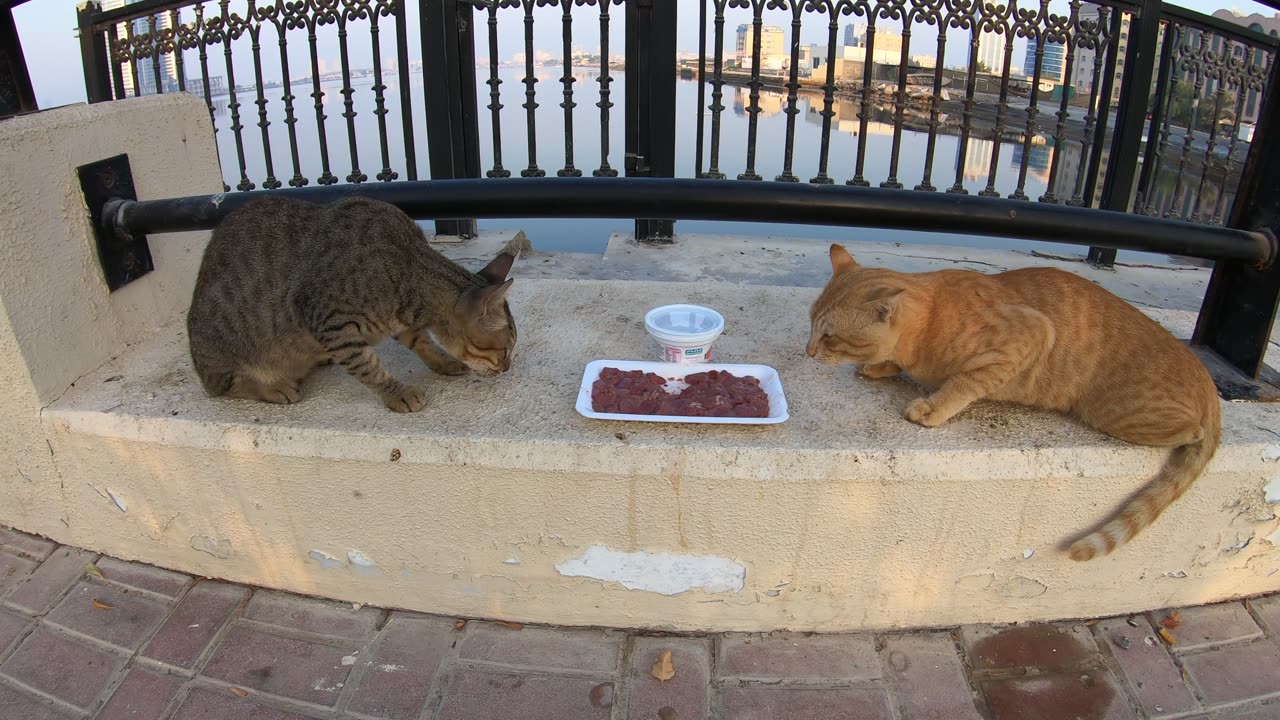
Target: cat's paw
x,y
405,399
922,412
449,366
282,393
879,370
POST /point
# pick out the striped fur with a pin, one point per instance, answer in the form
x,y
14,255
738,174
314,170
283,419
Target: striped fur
x,y
286,286
1039,337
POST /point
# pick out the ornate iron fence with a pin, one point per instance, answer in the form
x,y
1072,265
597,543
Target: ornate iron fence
x,y
1128,106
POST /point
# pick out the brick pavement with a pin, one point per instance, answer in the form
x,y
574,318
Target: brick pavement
x,y
83,636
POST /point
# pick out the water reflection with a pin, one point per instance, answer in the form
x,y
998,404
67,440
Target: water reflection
x,y
987,162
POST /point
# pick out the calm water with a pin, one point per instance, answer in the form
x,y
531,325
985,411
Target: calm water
x,y
591,235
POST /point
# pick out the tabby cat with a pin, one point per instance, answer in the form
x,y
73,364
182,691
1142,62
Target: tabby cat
x,y
1037,336
286,286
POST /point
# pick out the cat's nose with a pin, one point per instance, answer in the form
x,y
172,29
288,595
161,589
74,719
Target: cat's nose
x,y
811,349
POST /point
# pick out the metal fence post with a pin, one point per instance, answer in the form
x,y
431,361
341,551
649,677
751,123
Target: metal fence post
x,y
651,101
93,55
1131,116
1240,303
449,79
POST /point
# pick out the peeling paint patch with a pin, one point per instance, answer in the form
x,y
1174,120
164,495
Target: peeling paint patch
x,y
1274,538
118,501
220,548
974,583
662,573
359,562
1271,453
325,560
1272,490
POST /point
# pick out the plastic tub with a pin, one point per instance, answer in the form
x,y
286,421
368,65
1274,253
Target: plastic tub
x,y
684,332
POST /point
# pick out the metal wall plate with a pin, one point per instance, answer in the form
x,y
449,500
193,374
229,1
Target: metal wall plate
x,y
123,258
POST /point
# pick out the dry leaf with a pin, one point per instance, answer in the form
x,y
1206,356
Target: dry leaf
x,y
511,625
1172,620
663,670
239,692
1167,636
459,624
101,606
92,570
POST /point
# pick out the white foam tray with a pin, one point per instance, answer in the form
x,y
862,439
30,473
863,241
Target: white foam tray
x,y
768,377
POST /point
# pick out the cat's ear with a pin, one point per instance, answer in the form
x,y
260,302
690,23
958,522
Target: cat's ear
x,y
841,260
496,271
885,307
492,296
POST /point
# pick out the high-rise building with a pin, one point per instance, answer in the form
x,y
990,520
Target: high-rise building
x,y
1082,67
772,44
1052,65
146,70
991,52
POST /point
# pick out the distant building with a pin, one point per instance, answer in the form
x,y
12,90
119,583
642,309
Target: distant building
x,y
887,49
148,81
1052,65
772,46
991,52
1082,68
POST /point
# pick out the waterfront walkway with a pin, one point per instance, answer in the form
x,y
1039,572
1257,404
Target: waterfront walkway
x,y
88,636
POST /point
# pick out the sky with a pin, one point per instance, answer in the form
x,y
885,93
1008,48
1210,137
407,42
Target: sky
x,y
48,34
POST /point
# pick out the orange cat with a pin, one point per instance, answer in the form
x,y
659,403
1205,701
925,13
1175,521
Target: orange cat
x,y
1037,336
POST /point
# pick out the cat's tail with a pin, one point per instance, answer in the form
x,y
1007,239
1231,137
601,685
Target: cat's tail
x,y
1183,466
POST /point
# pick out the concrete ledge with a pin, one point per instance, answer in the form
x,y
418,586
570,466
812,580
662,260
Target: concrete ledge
x,y
846,517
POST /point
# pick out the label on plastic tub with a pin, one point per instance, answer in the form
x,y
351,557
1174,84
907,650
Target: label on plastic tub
x,y
685,355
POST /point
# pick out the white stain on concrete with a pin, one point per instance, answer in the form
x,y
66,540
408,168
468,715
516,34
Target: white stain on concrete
x,y
359,562
389,668
1272,490
1271,453
348,660
662,573
325,560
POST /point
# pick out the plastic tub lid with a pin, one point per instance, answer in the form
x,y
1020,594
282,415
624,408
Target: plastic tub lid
x,y
684,323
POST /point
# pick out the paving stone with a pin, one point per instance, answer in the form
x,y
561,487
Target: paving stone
x,y
1236,672
14,704
1032,645
1268,610
223,705
930,677
298,669
686,693
1067,696
144,695
72,671
313,615
1201,627
774,703
126,623
590,650
143,577
47,583
780,656
481,695
1148,669
192,626
12,625
13,570
400,672
37,548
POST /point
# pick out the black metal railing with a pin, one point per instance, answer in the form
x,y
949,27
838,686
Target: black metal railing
x,y
1128,106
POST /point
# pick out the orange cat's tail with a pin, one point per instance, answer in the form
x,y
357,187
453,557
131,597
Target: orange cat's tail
x,y
1184,465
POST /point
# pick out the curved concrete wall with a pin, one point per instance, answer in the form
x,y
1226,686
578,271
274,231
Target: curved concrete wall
x,y
499,501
